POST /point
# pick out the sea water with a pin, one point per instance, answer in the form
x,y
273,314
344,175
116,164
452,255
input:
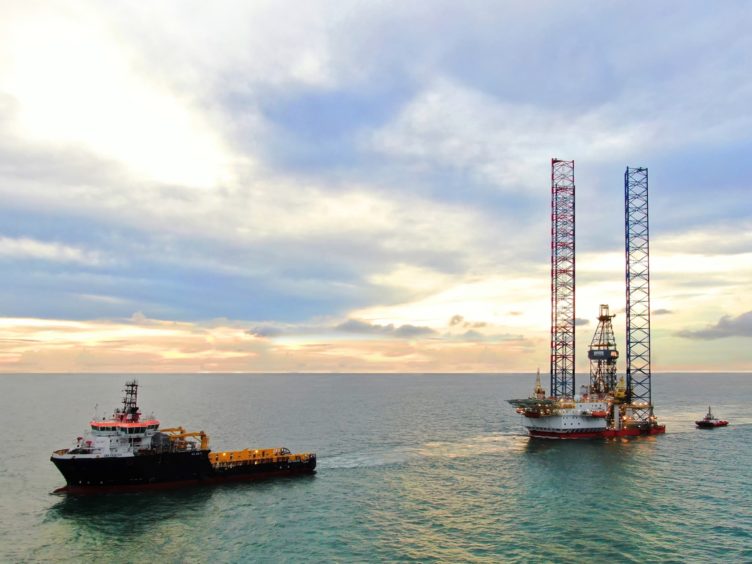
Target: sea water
x,y
411,467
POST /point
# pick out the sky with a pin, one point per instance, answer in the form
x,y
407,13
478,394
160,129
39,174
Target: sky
x,y
364,186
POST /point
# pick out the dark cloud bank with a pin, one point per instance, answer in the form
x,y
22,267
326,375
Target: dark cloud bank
x,y
727,326
362,327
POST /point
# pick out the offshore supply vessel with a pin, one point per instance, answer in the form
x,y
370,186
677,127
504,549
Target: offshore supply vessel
x,y
606,407
128,452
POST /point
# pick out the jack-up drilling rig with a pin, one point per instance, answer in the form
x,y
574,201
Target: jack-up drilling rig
x,y
606,407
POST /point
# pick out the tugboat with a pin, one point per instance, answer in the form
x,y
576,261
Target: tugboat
x,y
710,422
128,452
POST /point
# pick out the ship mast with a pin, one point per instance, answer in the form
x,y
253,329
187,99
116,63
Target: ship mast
x,y
130,410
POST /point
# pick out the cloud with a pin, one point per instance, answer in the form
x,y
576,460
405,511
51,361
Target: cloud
x,y
265,332
580,322
452,124
25,248
472,335
142,344
364,327
458,320
711,238
662,311
101,102
727,326
332,178
413,331
335,332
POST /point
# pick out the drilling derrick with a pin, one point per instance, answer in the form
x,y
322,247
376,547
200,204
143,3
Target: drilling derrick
x,y
638,293
603,355
562,278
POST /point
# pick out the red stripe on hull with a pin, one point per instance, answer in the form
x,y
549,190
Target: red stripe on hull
x,y
605,434
78,490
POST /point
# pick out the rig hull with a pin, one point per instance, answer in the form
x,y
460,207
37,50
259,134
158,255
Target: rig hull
x,y
582,418
597,433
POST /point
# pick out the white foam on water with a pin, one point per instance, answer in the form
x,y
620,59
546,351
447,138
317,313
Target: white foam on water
x,y
495,443
487,444
396,455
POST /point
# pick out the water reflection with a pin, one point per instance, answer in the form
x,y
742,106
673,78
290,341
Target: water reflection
x,y
619,444
125,514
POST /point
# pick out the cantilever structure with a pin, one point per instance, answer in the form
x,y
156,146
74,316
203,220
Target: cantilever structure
x,y
637,239
562,278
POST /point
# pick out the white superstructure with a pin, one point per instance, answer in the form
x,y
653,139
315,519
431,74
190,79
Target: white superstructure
x,y
113,438
567,417
126,434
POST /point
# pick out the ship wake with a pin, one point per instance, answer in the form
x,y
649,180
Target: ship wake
x,y
480,445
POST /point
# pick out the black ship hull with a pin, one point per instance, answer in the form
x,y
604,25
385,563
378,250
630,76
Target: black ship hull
x,y
165,470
